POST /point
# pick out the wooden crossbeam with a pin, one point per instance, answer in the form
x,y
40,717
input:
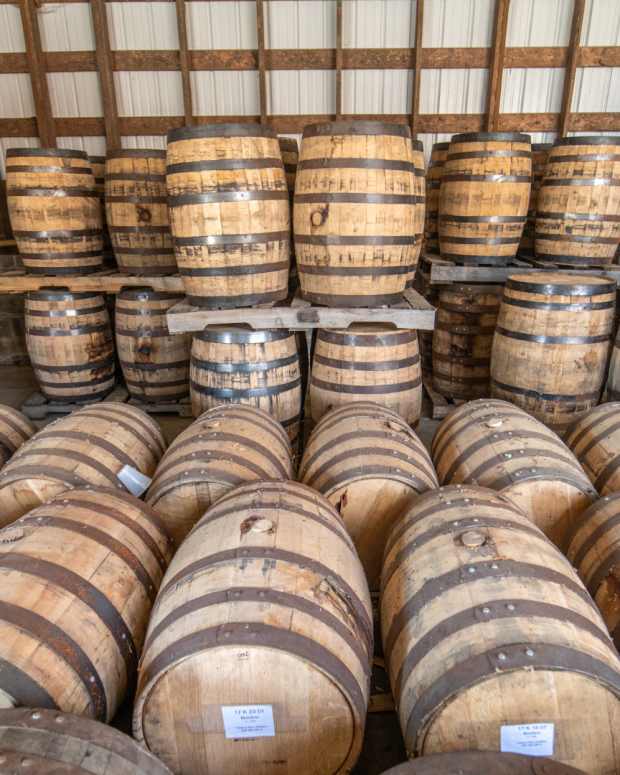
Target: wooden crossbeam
x,y
571,66
34,57
262,67
498,57
106,75
184,61
339,59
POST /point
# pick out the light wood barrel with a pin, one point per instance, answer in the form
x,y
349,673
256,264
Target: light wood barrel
x,y
15,429
355,215
155,363
73,630
235,365
70,344
482,763
480,610
268,588
463,338
367,363
137,212
578,210
84,449
55,210
595,440
97,164
229,214
51,743
434,174
540,152
224,448
13,348
551,344
485,191
419,185
497,445
366,460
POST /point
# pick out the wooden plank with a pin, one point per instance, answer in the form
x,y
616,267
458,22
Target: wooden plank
x,y
262,75
338,59
106,76
184,60
442,274
417,67
104,283
496,71
40,90
571,66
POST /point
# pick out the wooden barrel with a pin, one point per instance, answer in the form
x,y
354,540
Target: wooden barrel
x,y
229,214
137,212
434,174
422,284
366,460
463,338
235,365
268,588
290,156
155,363
97,164
551,344
540,152
485,191
497,445
595,440
46,741
70,344
55,211
578,210
613,373
224,448
480,610
73,630
419,208
89,447
15,429
355,216
483,763
367,363
13,348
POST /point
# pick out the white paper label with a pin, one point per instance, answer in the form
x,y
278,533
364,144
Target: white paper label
x,y
248,721
135,481
528,739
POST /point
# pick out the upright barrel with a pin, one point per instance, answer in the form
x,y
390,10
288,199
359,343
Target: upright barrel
x,y
266,588
419,215
578,210
595,439
485,191
290,157
155,363
70,344
355,216
15,429
367,363
434,174
480,610
478,762
540,152
137,211
229,214
55,210
97,164
551,344
463,339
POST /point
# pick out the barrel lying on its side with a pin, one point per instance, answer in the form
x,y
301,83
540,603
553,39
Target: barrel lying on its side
x,y
482,763
15,429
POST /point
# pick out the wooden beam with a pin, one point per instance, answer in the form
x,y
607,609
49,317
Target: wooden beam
x,y
106,75
262,75
571,66
184,61
38,78
496,71
338,59
417,67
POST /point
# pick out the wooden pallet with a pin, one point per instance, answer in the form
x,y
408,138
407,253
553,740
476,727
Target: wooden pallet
x,y
37,407
107,281
182,408
441,405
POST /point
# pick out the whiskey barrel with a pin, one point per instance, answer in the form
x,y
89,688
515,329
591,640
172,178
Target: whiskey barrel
x,y
355,215
484,762
367,363
480,610
15,429
463,338
434,174
595,440
46,741
485,191
97,164
235,365
87,448
540,152
55,211
72,631
70,344
422,284
267,587
224,448
371,466
137,212
290,156
155,363
497,445
551,344
578,210
229,214
419,184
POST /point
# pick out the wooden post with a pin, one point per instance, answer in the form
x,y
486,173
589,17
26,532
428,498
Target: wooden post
x,y
338,59
106,75
38,77
496,70
184,61
417,66
571,66
262,75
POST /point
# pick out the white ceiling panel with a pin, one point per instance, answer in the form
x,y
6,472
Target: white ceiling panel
x,y
212,25
66,27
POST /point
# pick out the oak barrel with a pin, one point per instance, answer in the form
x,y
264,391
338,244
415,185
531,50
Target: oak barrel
x,y
15,429
551,344
540,152
47,742
290,156
266,588
137,212
483,763
434,174
97,164
484,196
595,440
55,210
355,215
70,343
480,610
225,447
497,445
367,363
73,629
229,214
578,209
235,365
155,363
463,338
86,448
422,284
419,184
371,466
